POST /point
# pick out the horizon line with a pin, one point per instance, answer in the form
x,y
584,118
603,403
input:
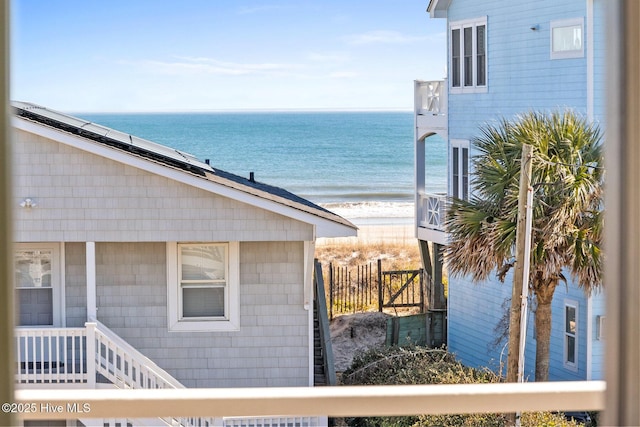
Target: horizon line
x,y
247,110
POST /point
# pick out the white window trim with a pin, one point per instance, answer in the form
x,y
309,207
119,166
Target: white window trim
x,y
573,366
462,144
460,25
570,53
231,323
57,279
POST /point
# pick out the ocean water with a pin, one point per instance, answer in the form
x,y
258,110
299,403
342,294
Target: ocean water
x,y
358,164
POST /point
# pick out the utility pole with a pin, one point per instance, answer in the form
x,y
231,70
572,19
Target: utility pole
x,y
517,336
522,253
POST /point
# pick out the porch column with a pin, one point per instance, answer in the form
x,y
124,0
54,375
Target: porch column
x,y
92,310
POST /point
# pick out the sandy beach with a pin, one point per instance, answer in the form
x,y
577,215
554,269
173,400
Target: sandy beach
x,y
376,233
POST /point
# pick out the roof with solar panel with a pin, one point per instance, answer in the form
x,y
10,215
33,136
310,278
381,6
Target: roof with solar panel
x,y
167,156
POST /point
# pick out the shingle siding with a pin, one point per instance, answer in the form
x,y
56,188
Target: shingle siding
x,y
84,197
76,284
272,346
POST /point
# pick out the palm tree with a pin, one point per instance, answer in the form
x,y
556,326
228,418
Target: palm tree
x,y
567,178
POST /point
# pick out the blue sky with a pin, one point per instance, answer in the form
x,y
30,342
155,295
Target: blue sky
x,y
198,55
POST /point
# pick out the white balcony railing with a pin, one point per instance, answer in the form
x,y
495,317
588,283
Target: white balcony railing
x,y
432,211
431,97
334,401
51,355
57,357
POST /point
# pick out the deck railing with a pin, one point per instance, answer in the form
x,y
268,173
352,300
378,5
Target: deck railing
x,y
51,355
124,366
431,97
334,401
48,357
432,210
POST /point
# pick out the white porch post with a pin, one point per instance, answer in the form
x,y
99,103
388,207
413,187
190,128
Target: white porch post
x,y
92,310
91,354
419,151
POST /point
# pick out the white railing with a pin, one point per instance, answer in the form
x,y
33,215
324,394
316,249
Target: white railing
x,y
334,401
431,211
274,422
59,355
431,97
125,367
51,355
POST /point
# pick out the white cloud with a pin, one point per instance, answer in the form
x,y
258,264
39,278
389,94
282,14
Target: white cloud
x,y
210,66
383,36
343,75
332,57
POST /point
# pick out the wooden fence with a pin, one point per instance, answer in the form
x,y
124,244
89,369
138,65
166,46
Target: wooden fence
x,y
369,288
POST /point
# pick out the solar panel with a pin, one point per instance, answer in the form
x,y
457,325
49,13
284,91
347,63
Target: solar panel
x,y
110,136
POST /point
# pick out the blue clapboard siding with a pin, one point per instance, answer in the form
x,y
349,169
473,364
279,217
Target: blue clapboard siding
x,y
521,77
475,311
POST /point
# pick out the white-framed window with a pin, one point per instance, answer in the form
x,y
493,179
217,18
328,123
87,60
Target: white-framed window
x,y
203,286
38,293
459,169
468,55
571,335
567,38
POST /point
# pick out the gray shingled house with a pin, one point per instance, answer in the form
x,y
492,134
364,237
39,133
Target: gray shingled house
x,y
139,266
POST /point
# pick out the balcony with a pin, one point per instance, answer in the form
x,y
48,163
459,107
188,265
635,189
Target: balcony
x,y
430,107
430,217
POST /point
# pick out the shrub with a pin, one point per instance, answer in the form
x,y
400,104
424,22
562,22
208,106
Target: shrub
x,y
421,365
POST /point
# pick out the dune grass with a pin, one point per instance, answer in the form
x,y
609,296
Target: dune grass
x,y
394,255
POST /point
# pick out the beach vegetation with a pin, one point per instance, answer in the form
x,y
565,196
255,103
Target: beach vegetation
x,y
394,255
422,365
567,181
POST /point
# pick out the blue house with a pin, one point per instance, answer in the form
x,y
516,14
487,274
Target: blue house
x,y
507,58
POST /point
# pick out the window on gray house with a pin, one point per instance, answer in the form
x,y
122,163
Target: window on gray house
x,y
34,292
203,281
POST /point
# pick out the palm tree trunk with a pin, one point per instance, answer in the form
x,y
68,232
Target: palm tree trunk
x,y
544,295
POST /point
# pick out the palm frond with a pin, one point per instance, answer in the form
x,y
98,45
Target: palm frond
x,y
567,177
